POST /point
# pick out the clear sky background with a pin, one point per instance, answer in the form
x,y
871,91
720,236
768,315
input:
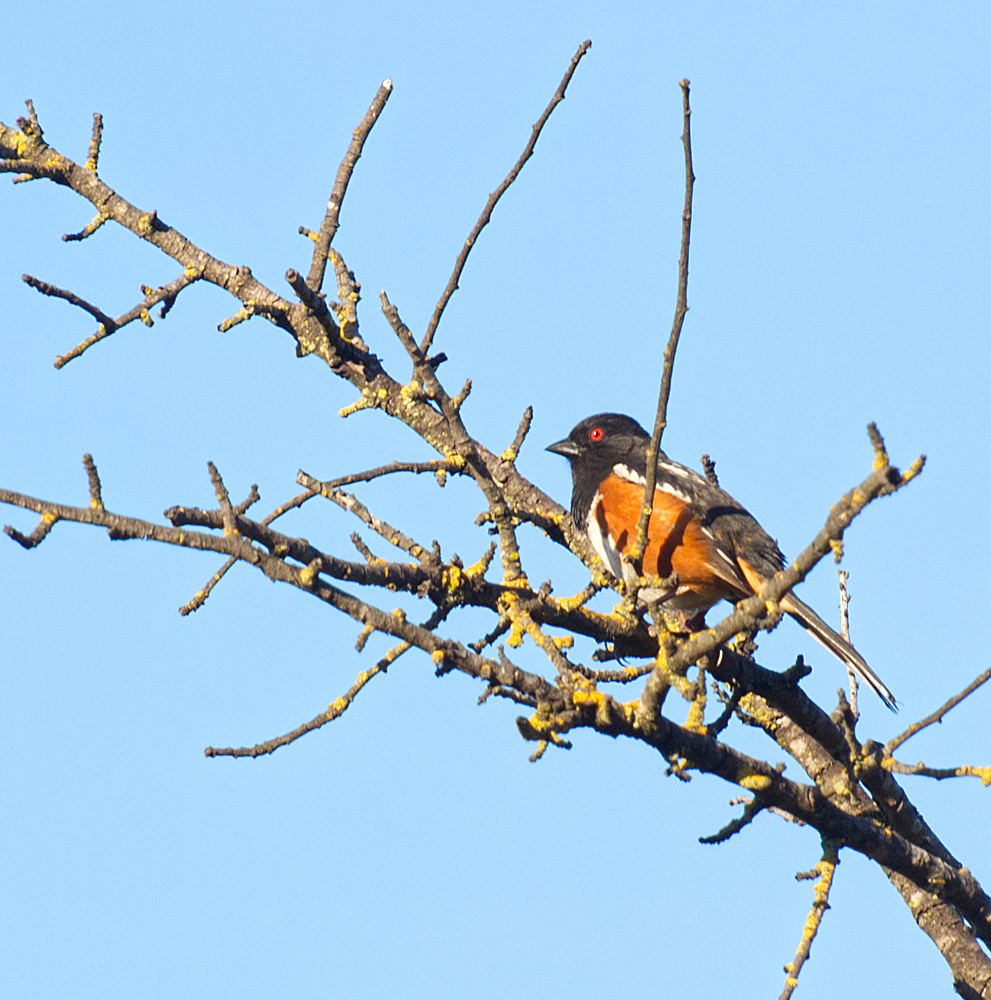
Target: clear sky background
x,y
840,274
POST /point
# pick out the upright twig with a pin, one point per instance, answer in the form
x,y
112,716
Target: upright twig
x,y
328,228
459,266
95,489
845,632
93,156
681,307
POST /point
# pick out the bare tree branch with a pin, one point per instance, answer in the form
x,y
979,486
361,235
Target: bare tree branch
x,y
334,710
937,716
328,229
845,632
848,792
825,871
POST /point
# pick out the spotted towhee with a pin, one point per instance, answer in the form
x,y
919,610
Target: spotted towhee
x,y
696,530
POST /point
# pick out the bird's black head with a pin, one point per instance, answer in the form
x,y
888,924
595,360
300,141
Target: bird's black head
x,y
606,438
596,445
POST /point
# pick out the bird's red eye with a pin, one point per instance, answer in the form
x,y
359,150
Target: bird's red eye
x,y
596,434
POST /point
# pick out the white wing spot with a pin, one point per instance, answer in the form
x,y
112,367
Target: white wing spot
x,y
631,476
674,491
625,472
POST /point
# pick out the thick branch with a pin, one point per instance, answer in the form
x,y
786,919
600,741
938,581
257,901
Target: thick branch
x,y
807,803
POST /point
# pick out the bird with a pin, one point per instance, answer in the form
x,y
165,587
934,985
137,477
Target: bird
x,y
697,530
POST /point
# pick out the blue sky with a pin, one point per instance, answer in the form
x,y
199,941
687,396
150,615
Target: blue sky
x,y
840,263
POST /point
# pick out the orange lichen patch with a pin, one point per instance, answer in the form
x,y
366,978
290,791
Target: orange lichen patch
x,y
588,696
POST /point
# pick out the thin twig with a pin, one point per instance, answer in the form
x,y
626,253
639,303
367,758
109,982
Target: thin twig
x,y
825,870
750,810
401,330
500,630
845,632
32,115
452,285
61,293
435,466
91,227
681,307
199,598
335,709
940,773
936,716
521,432
93,156
439,467
716,727
40,533
328,228
223,498
393,535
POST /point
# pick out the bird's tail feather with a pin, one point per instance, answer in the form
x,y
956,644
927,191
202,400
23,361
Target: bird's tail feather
x,y
838,646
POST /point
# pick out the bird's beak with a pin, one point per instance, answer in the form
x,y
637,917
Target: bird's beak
x,y
567,447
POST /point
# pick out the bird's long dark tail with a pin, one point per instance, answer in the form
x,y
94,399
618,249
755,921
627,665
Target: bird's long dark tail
x,y
838,646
